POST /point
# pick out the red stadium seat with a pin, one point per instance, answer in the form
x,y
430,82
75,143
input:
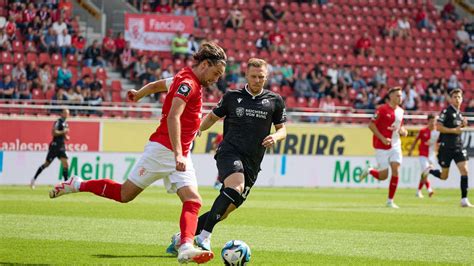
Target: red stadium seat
x,y
44,58
6,58
56,59
116,86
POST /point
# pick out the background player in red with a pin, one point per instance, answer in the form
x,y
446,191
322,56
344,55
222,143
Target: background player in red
x,y
387,126
167,154
428,137
215,143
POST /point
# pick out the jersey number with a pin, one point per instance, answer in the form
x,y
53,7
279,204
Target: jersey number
x,y
246,192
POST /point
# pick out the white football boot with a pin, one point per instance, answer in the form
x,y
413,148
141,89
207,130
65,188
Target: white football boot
x,y
66,187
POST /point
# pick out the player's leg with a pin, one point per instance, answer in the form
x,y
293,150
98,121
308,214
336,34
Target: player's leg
x,y
461,160
49,158
382,158
424,164
444,159
65,166
395,162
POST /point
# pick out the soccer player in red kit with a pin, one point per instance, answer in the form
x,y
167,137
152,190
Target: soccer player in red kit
x,y
387,127
167,154
428,138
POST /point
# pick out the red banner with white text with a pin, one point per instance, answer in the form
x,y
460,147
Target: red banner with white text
x,y
31,135
154,32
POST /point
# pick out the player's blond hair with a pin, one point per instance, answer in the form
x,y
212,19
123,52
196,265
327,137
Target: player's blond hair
x,y
211,53
394,89
257,62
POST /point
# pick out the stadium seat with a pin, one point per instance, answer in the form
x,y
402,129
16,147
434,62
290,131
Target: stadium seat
x,y
56,60
116,86
6,58
44,58
32,57
18,57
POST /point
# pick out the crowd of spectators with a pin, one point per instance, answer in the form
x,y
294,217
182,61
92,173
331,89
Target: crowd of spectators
x,y
47,28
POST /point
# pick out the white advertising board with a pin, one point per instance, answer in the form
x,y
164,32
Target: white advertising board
x,y
17,168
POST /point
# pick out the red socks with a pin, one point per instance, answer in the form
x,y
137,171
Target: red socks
x,y
374,173
103,187
393,187
188,221
420,185
428,184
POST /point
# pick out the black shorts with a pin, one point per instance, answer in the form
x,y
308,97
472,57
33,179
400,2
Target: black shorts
x,y
446,155
229,161
56,151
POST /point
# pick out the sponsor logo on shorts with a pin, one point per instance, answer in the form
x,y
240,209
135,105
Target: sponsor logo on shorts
x,y
142,171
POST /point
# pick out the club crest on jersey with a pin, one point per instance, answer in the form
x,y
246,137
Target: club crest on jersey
x,y
239,111
239,100
184,90
265,102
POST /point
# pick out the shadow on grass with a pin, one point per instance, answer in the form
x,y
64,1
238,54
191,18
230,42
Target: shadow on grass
x,y
110,256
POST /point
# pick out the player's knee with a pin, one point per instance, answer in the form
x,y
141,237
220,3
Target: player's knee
x,y
233,195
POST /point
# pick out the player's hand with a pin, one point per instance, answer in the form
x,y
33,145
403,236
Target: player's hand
x,y
268,141
180,162
132,95
403,132
66,130
409,153
67,137
198,134
386,141
458,130
464,122
392,128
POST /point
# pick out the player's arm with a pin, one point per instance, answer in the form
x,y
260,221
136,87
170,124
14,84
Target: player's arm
x,y
56,132
208,121
280,134
410,151
377,133
158,86
403,131
446,130
174,131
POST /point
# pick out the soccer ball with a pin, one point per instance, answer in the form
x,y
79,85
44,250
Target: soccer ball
x,y
236,253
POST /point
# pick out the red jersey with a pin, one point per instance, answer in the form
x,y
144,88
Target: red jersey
x,y
388,121
187,87
218,139
428,139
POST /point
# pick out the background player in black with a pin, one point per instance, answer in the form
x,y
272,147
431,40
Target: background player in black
x,y
57,147
450,125
249,114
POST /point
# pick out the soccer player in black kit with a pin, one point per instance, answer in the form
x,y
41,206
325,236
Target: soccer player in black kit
x,y
57,147
249,114
450,125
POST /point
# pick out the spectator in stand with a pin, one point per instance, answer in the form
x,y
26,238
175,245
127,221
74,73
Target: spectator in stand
x,y
63,79
168,73
391,27
23,89
358,83
84,83
95,100
59,26
277,41
96,85
8,88
178,10
380,78
49,42
127,59
108,46
470,107
37,25
10,28
235,19
146,7
5,44
65,44
74,95
43,13
435,91
409,95
404,27
463,40
345,76
454,83
288,74
364,46
263,43
18,70
79,43
232,71
327,105
154,64
422,20
29,14
32,75
193,46
119,44
93,55
469,27
275,76
467,62
59,96
331,73
303,87
140,71
45,77
318,80
269,12
449,11
179,46
163,7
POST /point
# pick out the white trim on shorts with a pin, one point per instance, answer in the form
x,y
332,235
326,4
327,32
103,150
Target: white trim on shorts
x,y
385,157
157,162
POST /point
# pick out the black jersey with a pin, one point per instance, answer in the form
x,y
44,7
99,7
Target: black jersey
x,y
60,125
248,120
450,118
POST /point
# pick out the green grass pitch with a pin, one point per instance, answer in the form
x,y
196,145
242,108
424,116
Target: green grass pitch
x,y
283,226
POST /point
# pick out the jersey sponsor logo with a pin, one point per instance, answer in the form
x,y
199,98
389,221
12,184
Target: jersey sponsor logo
x,y
239,100
238,164
265,102
239,111
184,90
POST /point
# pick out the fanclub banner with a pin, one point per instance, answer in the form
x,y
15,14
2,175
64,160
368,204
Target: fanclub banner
x,y
154,32
35,135
17,168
